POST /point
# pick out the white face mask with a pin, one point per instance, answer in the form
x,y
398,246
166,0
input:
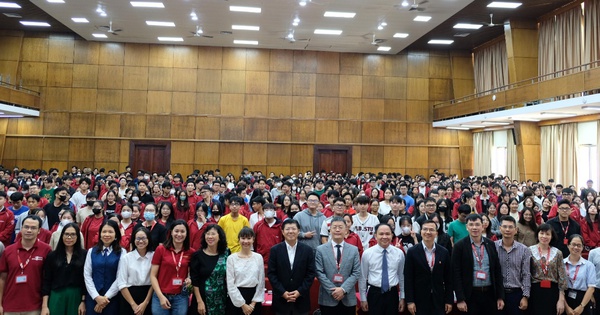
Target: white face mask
x,y
135,199
269,214
64,222
172,191
126,214
405,230
10,192
278,185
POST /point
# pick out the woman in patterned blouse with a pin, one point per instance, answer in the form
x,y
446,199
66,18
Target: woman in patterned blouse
x,y
548,277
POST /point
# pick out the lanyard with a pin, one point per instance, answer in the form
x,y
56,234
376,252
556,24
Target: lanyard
x,y
177,264
572,281
544,261
152,226
26,262
432,262
477,257
565,230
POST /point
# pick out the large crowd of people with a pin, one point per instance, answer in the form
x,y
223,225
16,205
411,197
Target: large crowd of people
x,y
94,241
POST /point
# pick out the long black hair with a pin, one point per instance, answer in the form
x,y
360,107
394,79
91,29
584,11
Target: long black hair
x,y
221,244
60,246
182,205
116,244
186,242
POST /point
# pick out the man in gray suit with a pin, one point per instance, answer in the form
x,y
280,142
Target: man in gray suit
x,y
338,270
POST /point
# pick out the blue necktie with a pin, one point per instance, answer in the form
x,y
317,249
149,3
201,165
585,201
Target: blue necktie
x,y
105,252
385,281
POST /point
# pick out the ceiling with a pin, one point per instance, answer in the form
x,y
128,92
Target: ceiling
x,y
275,22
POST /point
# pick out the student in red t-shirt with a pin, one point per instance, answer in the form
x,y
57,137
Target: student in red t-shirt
x,y
170,273
91,226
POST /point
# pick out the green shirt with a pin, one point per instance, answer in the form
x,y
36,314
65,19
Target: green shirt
x,y
48,194
457,230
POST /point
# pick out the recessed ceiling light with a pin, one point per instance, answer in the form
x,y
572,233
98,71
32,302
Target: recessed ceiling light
x,y
462,34
422,18
170,39
457,128
405,3
34,23
504,5
327,32
11,5
144,4
495,123
558,114
303,3
13,15
591,107
245,42
401,35
384,48
523,119
468,26
159,23
194,16
440,42
235,8
56,1
347,15
245,27
12,116
80,20
472,126
99,35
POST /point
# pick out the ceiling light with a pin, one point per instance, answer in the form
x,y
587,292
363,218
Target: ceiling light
x,y
170,39
245,27
462,34
245,42
296,22
159,23
235,8
56,1
468,26
523,119
103,13
194,16
303,3
405,3
472,126
144,4
380,27
13,15
12,116
347,15
99,35
327,32
384,48
422,18
34,23
591,107
558,114
457,128
11,5
495,123
504,5
440,42
80,20
401,35
383,24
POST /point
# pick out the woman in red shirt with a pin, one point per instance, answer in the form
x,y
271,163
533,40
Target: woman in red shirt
x,y
91,225
352,238
170,273
198,225
182,208
590,227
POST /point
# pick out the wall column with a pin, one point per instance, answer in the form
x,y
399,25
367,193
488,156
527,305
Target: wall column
x,y
463,77
465,147
527,139
522,49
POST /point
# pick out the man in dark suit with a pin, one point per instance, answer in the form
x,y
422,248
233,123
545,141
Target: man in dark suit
x,y
428,275
291,272
477,273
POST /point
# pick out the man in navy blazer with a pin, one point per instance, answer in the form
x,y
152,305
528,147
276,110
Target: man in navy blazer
x,y
428,275
291,272
338,270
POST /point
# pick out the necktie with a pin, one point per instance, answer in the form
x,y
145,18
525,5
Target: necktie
x,y
385,281
105,252
339,253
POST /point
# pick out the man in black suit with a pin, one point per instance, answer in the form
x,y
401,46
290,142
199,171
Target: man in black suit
x,y
477,273
291,272
428,275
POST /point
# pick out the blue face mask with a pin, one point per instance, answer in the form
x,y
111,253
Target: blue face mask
x,y
149,216
182,197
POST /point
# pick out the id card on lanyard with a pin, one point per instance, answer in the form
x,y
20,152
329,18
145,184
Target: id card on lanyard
x,y
22,278
177,281
545,284
338,277
479,275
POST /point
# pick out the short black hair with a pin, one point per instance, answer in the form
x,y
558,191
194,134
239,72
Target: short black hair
x,y
290,221
474,217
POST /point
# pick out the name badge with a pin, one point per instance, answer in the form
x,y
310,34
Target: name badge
x,y
572,294
338,278
566,241
480,275
21,279
546,284
177,281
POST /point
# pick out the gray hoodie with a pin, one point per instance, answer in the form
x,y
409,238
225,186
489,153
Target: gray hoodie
x,y
310,223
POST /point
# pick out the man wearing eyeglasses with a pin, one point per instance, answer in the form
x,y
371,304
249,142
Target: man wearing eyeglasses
x,y
564,226
310,221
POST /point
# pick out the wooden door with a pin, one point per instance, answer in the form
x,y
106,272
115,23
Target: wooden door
x,y
332,158
151,156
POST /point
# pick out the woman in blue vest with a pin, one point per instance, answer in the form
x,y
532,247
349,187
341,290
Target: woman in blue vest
x,y
100,271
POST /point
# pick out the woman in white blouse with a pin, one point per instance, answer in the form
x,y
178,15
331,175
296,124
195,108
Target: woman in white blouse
x,y
133,277
245,277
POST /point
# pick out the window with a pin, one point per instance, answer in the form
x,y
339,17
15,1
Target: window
x,y
499,152
587,165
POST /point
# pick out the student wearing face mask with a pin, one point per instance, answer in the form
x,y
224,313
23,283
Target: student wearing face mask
x,y
407,236
66,217
85,212
157,231
54,208
126,226
268,232
91,226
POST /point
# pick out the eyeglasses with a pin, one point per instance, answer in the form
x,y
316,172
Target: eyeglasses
x,y
428,230
576,245
141,239
69,235
312,200
430,206
30,228
564,209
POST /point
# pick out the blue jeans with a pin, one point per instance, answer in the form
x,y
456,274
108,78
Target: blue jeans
x,y
179,305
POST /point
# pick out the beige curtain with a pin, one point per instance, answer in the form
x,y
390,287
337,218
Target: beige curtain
x,y
546,47
559,153
512,162
491,67
592,31
568,44
483,143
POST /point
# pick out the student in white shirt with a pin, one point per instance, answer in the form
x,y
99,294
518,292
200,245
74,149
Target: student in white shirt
x,y
363,223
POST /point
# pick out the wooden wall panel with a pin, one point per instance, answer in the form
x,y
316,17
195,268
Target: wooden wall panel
x,y
417,89
328,85
326,131
374,65
234,58
255,154
81,149
279,154
280,106
394,132
303,131
60,74
372,132
135,78
206,153
372,156
303,107
302,155
107,125
208,128
85,76
280,83
417,134
183,127
257,60
86,52
418,65
34,49
29,126
305,61
106,150
111,54
418,111
257,82
395,88
159,102
208,103
185,57
183,103
82,124
327,107
348,131
394,157
12,47
84,99
351,64
328,62
136,54
209,81
232,104
231,153
417,157
351,85
10,149
182,152
279,130
394,110
233,81
232,129
133,101
372,109
304,84
281,60
256,105
29,149
350,108
373,87
158,127
109,101
34,73
56,124
255,129
133,126
161,56
210,58
61,49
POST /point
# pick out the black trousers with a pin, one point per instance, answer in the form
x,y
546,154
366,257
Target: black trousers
x,y
339,309
383,303
482,302
512,300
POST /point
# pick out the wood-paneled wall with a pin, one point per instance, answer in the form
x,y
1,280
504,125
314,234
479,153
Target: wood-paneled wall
x,y
227,107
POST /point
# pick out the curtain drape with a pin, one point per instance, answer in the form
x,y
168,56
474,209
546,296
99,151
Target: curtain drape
x,y
491,67
483,143
512,162
546,47
560,43
592,31
559,153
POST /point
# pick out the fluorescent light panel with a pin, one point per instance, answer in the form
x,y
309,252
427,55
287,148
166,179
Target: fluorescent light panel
x,y
235,8
468,26
558,114
34,23
384,48
245,27
170,39
591,107
457,128
11,116
440,42
11,5
495,123
80,20
401,35
422,18
245,42
346,15
504,5
145,4
56,1
524,119
159,23
472,126
99,35
327,32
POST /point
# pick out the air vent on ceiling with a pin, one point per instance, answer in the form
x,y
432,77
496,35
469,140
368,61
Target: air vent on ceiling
x,y
462,34
226,32
13,15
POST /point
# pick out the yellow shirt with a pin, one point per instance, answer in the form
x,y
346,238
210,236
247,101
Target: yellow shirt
x,y
232,228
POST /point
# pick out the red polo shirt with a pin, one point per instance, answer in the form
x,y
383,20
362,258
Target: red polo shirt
x,y
27,296
167,270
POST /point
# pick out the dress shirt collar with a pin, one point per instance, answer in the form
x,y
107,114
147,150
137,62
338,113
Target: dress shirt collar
x,y
335,244
473,242
290,247
427,249
579,262
137,255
